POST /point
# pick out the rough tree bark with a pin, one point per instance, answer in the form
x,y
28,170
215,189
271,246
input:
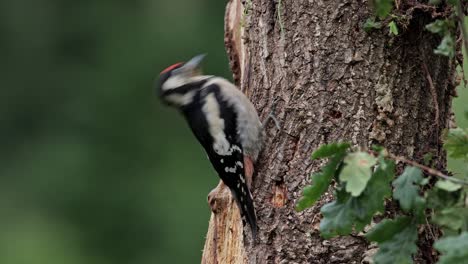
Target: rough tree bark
x,y
332,81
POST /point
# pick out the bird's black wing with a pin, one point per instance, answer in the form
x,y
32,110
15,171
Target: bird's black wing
x,y
228,165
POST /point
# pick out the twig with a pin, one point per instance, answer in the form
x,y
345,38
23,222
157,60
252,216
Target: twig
x,y
433,93
461,22
280,19
427,169
422,167
428,226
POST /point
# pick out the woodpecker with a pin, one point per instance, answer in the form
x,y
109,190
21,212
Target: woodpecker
x,y
223,120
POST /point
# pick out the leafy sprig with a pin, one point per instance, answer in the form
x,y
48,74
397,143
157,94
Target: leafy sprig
x,y
364,181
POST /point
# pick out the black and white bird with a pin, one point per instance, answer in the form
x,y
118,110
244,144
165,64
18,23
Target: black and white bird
x,y
223,120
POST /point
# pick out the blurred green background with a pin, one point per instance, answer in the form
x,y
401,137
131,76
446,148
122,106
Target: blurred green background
x,y
92,168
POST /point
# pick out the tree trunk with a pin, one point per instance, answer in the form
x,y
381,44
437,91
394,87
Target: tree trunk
x,y
332,81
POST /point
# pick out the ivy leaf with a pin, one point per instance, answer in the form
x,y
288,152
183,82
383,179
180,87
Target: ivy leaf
x,y
406,192
329,150
447,185
371,24
357,171
446,47
397,240
320,182
346,212
456,143
453,249
392,26
383,8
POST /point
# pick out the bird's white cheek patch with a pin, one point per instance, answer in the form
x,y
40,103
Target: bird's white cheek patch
x,y
180,99
173,83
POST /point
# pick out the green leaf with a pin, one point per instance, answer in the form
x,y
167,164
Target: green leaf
x,y
338,216
453,249
428,157
393,28
406,192
447,185
438,199
448,210
357,171
377,189
371,24
397,240
320,182
440,26
329,150
456,143
383,8
453,218
387,228
446,47
377,148
346,212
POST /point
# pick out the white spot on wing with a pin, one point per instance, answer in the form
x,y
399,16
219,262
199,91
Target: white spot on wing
x,y
242,178
231,170
235,147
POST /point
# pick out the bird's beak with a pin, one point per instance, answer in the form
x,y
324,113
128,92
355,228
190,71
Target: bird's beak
x,y
192,67
195,62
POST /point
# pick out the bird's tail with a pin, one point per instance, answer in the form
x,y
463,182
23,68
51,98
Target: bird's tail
x,y
244,201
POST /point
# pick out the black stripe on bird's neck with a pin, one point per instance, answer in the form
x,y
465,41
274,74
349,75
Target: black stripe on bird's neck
x,y
183,89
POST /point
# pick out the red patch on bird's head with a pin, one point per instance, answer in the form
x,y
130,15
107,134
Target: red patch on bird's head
x,y
170,68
